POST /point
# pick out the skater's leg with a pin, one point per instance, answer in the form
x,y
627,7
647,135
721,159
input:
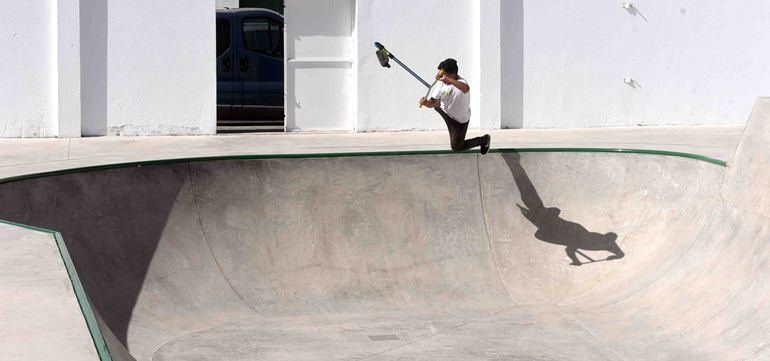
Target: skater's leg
x,y
456,131
458,141
571,254
481,142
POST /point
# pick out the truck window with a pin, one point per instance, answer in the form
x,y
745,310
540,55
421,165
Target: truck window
x,y
223,36
276,36
263,35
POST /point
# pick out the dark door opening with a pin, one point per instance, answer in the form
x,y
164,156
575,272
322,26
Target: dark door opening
x,y
250,69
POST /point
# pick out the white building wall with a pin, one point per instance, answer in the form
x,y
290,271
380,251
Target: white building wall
x,y
145,67
100,67
694,62
161,72
28,69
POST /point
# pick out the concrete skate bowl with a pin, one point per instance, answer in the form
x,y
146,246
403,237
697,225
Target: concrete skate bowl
x,y
421,256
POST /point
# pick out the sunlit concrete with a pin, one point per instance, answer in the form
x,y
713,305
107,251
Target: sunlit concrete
x,y
25,156
39,314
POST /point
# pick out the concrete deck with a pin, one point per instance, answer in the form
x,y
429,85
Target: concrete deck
x,y
40,318
25,156
543,256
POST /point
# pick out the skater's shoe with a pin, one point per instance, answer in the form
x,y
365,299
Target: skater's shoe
x,y
485,146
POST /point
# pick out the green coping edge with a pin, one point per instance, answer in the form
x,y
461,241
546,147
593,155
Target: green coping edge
x,y
362,154
80,293
615,150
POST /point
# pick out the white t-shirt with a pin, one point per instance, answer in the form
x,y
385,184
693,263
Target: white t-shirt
x,y
454,102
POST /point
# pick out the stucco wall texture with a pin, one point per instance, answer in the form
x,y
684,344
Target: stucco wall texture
x,y
157,68
28,71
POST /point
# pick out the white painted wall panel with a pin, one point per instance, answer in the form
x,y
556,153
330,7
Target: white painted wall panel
x,y
28,69
68,69
161,73
695,62
320,29
320,52
322,98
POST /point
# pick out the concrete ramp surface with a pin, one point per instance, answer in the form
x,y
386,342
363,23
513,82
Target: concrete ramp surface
x,y
507,256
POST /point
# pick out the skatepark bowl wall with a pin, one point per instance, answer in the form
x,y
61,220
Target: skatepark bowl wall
x,y
528,254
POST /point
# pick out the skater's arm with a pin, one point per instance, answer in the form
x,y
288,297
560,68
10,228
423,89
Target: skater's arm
x,y
457,83
430,103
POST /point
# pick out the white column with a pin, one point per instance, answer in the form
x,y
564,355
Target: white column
x,y
68,68
487,106
511,40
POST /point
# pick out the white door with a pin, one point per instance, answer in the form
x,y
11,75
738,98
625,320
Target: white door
x,y
320,84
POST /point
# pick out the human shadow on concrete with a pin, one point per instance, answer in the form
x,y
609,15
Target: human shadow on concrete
x,y
553,229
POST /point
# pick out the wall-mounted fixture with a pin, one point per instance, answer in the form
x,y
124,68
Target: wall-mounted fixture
x,y
631,9
631,82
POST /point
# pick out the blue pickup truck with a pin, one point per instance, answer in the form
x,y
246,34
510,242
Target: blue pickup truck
x,y
249,69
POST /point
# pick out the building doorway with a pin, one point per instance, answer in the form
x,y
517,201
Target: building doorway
x,y
250,66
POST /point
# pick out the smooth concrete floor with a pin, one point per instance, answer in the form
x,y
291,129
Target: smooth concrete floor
x,y
514,333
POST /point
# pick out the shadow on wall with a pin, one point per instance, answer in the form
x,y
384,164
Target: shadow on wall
x,y
553,229
112,222
93,54
512,56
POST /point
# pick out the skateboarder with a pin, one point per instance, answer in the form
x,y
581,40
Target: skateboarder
x,y
454,96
